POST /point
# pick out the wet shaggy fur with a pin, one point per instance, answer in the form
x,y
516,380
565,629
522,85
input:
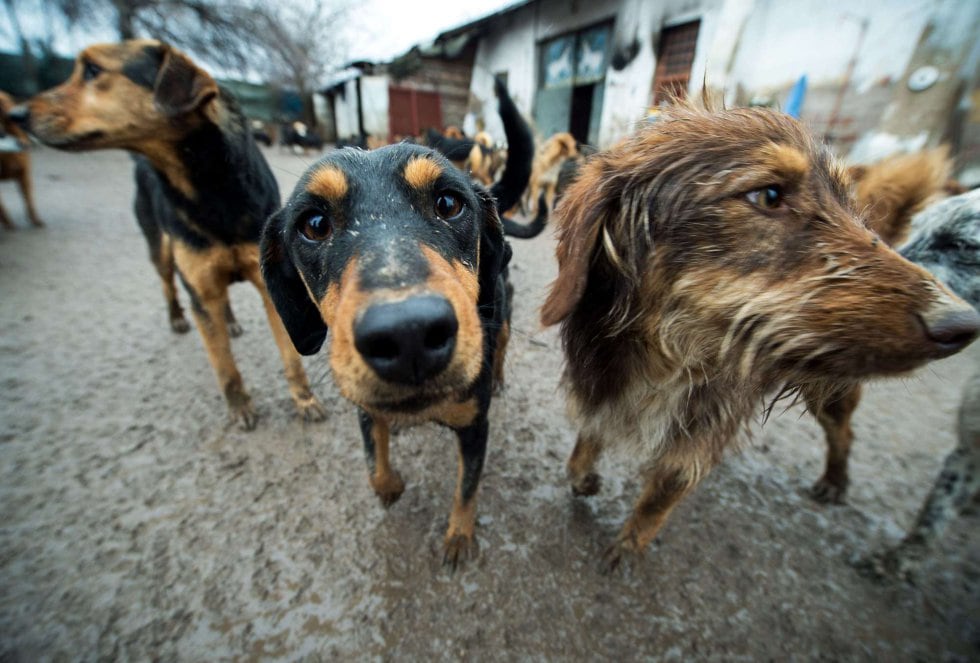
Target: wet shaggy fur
x,y
945,240
709,260
203,189
393,234
16,165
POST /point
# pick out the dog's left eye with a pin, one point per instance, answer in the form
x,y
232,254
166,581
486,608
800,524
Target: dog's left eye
x,y
448,206
91,71
315,227
769,197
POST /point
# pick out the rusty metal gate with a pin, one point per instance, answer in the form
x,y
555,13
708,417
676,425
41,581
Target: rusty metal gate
x,y
674,60
410,111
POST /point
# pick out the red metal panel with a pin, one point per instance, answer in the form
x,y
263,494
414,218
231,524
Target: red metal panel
x,y
410,111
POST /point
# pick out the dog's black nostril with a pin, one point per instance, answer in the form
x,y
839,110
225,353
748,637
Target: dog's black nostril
x,y
954,331
410,341
440,334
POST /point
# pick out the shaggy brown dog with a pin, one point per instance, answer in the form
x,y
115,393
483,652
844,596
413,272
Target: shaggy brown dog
x,y
16,165
706,261
548,160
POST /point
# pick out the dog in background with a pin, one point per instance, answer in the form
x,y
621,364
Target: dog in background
x,y
946,241
16,165
548,161
299,138
203,189
890,192
404,259
710,259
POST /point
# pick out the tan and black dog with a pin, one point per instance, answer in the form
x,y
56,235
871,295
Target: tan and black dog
x,y
404,259
203,189
16,165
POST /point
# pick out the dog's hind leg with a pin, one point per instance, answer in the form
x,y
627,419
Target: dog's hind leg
x,y
27,191
834,412
307,405
160,246
5,220
234,328
581,465
385,481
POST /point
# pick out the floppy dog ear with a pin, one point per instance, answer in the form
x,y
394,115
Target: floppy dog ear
x,y
495,252
299,315
579,217
181,86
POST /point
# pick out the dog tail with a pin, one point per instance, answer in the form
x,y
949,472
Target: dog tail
x,y
529,230
520,151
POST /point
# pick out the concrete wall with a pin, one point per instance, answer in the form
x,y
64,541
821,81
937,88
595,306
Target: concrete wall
x,y
747,50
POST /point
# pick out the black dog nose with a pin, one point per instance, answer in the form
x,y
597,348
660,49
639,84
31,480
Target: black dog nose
x,y
955,330
410,341
20,114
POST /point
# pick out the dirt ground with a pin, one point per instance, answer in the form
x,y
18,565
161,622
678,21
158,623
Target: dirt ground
x,y
137,523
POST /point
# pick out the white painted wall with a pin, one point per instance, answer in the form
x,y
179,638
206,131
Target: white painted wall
x,y
345,110
513,47
374,105
761,46
783,40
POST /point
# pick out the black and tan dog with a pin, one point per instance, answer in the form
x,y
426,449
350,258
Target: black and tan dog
x,y
404,259
203,189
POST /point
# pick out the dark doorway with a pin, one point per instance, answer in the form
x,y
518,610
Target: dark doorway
x,y
581,112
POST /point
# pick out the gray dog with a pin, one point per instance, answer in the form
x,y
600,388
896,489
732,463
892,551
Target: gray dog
x,y
946,241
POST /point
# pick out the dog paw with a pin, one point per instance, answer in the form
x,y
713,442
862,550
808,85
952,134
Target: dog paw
x,y
893,564
620,558
244,414
235,330
179,325
310,409
459,548
586,486
388,488
828,492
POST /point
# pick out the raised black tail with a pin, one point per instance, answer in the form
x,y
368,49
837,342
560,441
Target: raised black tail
x,y
527,231
520,150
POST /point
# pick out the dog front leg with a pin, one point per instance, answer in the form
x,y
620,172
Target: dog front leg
x,y
460,543
385,481
834,414
666,485
208,290
307,404
27,192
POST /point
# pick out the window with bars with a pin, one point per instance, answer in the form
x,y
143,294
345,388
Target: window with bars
x,y
674,60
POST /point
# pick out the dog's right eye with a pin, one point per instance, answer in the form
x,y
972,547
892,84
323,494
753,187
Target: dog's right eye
x,y
315,227
90,71
769,197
